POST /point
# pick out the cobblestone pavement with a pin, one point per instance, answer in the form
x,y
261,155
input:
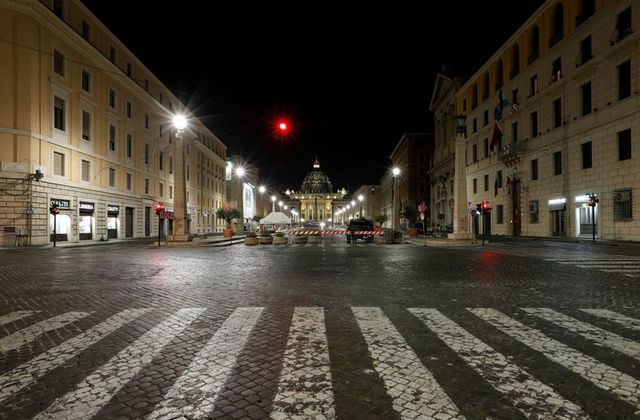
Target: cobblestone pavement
x,y
506,331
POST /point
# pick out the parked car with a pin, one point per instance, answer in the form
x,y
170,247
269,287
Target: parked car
x,y
359,225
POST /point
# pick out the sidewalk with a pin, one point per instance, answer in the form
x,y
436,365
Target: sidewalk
x,y
441,242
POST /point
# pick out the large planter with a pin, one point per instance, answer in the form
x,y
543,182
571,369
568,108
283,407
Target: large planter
x,y
227,233
251,241
412,232
265,240
280,240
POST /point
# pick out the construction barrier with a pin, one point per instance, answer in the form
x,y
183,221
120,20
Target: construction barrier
x,y
335,232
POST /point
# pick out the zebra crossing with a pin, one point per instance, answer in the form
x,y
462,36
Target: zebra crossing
x,y
304,385
625,265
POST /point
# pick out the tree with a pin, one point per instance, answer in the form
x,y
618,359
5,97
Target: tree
x,y
257,218
382,218
227,213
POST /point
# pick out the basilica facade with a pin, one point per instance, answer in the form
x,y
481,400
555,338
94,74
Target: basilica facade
x,y
316,200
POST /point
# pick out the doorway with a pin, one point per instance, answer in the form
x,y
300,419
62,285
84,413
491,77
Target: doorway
x,y
128,222
147,221
558,223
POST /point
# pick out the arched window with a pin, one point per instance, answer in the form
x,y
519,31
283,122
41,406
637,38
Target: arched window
x,y
499,75
515,61
558,25
474,96
485,87
587,9
534,43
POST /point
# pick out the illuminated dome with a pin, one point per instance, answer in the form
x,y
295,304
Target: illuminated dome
x,y
316,181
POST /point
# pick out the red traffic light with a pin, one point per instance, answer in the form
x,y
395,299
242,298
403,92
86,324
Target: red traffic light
x,y
159,208
486,206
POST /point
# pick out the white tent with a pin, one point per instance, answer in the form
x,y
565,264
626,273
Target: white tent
x,y
275,218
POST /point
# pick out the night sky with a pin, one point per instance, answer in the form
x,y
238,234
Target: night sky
x,y
351,80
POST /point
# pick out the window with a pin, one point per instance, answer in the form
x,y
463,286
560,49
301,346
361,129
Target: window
x,y
475,153
112,98
533,211
86,30
557,163
514,96
534,45
622,206
129,69
464,104
499,179
586,98
624,80
112,54
86,81
170,192
499,75
534,124
585,53
624,144
474,97
129,109
557,113
587,9
128,181
86,167
160,97
146,185
475,125
485,118
534,169
112,138
486,182
586,155
485,146
160,130
58,63
59,117
556,70
146,153
475,185
129,147
623,26
58,8
514,132
86,125
187,172
112,177
533,85
558,25
58,163
171,164
485,87
146,120
161,189
161,161
146,85
499,214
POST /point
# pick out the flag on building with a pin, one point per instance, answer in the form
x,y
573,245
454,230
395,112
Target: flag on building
x,y
496,135
499,109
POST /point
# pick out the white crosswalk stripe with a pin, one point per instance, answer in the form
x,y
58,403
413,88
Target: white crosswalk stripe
x,y
98,388
413,388
597,335
304,389
14,316
29,334
618,383
529,395
625,321
209,369
629,266
29,372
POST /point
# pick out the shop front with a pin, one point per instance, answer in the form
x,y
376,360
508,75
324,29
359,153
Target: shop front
x,y
62,226
86,221
558,214
113,224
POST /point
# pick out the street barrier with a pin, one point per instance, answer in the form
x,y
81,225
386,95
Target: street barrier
x,y
335,232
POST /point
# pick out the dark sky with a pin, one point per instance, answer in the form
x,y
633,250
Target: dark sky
x,y
350,79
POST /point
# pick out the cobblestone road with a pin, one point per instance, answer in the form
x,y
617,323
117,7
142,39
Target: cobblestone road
x,y
330,331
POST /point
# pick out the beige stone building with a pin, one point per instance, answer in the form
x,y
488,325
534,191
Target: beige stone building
x,y
570,122
79,108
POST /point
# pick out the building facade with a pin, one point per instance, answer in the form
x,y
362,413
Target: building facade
x,y
80,109
553,117
368,207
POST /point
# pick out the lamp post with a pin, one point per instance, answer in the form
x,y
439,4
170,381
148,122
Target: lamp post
x,y
395,171
360,199
593,202
273,203
180,196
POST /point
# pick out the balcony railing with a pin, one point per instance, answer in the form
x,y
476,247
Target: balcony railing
x,y
511,150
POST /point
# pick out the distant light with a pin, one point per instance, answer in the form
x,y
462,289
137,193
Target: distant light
x,y
322,225
353,203
396,171
273,198
240,171
179,122
280,203
283,126
262,189
360,197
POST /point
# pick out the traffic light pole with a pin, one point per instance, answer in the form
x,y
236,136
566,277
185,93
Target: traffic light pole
x,y
54,229
159,229
484,226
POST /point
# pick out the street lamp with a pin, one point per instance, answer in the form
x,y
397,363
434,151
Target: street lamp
x,y
180,232
273,203
593,202
361,199
395,172
240,171
280,203
262,189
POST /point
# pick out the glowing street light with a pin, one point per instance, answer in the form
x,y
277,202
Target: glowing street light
x,y
395,171
273,203
179,122
240,171
180,231
361,199
262,189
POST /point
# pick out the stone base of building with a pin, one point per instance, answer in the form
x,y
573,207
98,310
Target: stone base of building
x,y
457,236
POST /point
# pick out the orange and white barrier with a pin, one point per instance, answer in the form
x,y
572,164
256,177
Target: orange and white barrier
x,y
335,232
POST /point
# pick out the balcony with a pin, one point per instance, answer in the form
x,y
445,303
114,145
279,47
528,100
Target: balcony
x,y
511,152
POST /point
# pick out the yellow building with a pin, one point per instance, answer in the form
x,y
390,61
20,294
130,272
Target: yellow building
x,y
79,108
569,119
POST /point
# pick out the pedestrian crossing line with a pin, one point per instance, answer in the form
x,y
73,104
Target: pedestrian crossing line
x,y
588,331
582,258
606,262
209,370
619,270
29,372
414,390
14,316
304,389
530,396
29,334
98,388
623,386
625,321
611,267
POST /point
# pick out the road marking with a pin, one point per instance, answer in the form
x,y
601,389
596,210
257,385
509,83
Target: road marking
x,y
29,334
304,390
612,380
610,267
527,394
98,388
14,316
597,335
623,320
29,372
572,259
208,372
414,390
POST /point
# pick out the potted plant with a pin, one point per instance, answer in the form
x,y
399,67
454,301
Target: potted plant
x,y
227,213
411,214
381,219
251,239
265,238
280,239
